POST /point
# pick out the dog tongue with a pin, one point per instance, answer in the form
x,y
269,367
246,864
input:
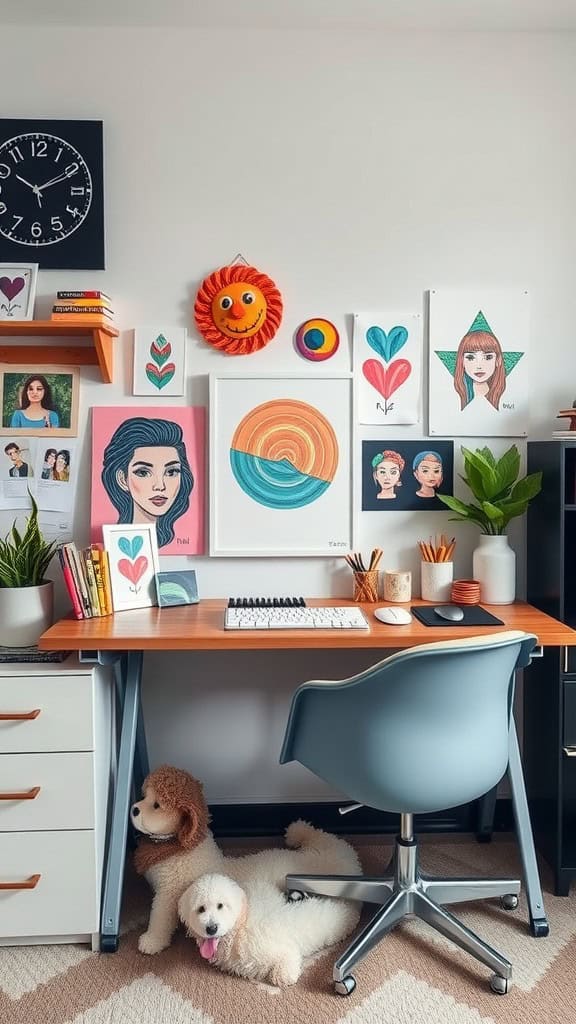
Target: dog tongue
x,y
208,948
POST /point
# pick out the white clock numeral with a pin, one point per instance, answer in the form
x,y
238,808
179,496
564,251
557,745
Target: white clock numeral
x,y
38,147
58,155
3,208
70,170
16,154
73,210
16,222
76,190
36,229
56,223
5,171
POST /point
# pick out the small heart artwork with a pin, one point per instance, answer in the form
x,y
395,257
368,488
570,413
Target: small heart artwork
x,y
133,571
11,287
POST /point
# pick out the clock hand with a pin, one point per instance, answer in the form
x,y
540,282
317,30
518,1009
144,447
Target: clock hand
x,y
24,182
61,177
34,188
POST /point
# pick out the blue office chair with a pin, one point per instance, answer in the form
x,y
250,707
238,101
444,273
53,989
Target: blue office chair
x,y
423,730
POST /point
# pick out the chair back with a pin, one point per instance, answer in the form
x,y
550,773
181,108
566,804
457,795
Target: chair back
x,y
423,730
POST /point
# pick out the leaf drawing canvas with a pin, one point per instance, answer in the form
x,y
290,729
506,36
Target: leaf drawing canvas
x,y
387,366
159,361
478,363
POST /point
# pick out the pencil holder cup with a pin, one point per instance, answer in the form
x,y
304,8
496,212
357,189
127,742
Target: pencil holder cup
x,y
366,586
436,580
397,585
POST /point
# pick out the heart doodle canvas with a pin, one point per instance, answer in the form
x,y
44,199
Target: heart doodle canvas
x,y
159,361
387,366
133,559
17,290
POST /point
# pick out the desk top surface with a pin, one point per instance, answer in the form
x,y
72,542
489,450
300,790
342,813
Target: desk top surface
x,y
200,627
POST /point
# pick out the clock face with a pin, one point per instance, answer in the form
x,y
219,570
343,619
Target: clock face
x,y
45,189
51,193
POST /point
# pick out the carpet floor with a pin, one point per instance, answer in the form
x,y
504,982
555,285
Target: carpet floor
x,y
414,976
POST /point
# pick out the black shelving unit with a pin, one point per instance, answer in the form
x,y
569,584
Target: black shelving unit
x,y
549,747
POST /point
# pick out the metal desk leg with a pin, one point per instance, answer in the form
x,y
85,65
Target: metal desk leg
x,y
116,855
141,763
538,922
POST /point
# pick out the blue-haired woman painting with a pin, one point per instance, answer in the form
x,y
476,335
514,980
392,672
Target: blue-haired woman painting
x,y
147,475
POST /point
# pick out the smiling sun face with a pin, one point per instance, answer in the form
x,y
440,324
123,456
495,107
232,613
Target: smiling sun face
x,y
238,309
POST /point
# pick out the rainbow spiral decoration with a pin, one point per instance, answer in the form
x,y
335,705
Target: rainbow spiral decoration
x,y
317,339
284,454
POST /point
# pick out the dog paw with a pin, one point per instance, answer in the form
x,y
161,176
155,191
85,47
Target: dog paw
x,y
150,943
287,971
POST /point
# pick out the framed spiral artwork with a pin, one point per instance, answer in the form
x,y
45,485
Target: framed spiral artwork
x,y
280,464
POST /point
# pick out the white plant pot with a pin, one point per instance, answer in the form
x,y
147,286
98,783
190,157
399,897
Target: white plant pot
x,y
25,613
494,566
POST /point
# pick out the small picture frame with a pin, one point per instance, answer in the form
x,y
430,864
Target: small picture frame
x,y
17,290
159,361
133,558
39,401
176,587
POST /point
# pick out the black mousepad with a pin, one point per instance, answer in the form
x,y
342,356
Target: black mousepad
x,y
474,615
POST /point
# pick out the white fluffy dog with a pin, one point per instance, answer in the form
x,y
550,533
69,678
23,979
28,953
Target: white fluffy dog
x,y
253,931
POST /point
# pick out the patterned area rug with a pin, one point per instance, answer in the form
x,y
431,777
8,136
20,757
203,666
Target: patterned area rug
x,y
414,977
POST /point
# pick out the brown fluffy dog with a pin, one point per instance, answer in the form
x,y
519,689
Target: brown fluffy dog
x,y
175,848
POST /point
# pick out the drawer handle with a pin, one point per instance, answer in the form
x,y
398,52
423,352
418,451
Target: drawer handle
x,y
570,751
26,794
28,883
19,716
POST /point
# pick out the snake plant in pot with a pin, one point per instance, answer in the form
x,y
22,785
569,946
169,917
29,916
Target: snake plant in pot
x,y
26,596
500,496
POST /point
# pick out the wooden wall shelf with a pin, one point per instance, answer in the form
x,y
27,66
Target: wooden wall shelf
x,y
101,353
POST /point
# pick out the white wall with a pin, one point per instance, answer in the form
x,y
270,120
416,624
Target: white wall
x,y
358,170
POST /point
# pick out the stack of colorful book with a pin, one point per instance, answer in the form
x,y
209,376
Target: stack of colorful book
x,y
85,305
87,578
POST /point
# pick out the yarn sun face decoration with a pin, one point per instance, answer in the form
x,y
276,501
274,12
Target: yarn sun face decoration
x,y
238,309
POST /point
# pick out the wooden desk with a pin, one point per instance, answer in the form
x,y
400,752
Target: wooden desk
x,y
201,628
124,638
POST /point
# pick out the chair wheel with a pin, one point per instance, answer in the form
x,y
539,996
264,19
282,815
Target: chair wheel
x,y
509,902
539,927
501,986
346,986
108,943
295,896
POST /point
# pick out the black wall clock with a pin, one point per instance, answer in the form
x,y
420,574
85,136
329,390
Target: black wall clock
x,y
51,193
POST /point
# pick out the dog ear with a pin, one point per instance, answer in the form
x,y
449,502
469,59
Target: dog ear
x,y
189,833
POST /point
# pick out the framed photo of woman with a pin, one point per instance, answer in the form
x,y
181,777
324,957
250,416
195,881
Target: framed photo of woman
x,y
39,401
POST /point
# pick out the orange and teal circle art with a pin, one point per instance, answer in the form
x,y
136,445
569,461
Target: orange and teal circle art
x,y
284,454
317,339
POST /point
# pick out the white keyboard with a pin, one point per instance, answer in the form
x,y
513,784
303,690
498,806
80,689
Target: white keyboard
x,y
295,618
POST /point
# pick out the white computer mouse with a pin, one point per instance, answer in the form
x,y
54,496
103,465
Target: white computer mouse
x,y
393,616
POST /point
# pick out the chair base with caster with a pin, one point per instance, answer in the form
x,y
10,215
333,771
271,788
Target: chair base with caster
x,y
407,893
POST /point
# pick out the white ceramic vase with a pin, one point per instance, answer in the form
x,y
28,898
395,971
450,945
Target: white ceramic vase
x,y
494,566
25,613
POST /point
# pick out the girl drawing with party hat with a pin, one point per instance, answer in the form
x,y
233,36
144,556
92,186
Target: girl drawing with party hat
x,y
480,370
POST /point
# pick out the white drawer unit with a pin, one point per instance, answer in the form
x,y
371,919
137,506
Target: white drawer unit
x,y
56,723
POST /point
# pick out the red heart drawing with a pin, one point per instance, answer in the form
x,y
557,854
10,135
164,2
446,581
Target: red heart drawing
x,y
133,571
11,287
386,380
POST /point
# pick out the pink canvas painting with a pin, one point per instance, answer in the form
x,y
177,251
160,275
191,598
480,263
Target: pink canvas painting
x,y
148,466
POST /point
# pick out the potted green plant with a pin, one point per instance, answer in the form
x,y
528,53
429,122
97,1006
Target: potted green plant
x,y
500,496
26,596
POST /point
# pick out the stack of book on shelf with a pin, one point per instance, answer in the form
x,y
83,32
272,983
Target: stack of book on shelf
x,y
87,578
83,306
